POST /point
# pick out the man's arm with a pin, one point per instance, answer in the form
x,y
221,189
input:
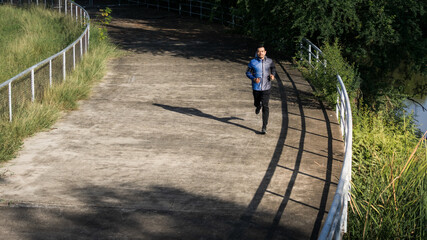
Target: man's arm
x,y
249,72
272,70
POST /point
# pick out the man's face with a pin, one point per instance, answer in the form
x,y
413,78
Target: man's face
x,y
261,52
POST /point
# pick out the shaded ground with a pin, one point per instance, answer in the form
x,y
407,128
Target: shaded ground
x,y
168,147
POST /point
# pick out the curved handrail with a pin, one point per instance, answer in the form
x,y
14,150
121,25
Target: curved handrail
x,y
185,7
80,14
336,222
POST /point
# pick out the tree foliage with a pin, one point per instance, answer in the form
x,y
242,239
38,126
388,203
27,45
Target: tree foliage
x,y
386,40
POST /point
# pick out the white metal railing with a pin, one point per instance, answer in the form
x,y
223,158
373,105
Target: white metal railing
x,y
313,52
53,68
336,222
205,10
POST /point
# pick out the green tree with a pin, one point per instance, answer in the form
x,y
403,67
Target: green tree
x,y
386,40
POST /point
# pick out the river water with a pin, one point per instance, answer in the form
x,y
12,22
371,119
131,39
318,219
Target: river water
x,y
420,115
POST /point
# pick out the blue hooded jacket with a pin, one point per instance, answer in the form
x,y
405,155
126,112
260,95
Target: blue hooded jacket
x,y
261,68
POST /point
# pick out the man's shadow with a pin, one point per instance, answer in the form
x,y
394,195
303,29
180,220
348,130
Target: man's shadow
x,y
198,113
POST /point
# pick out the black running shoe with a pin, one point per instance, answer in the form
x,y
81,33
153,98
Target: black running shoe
x,y
257,109
264,130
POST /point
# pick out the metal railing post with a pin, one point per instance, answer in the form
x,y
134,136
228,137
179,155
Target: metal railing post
x,y
317,59
309,54
50,72
86,42
337,105
301,50
32,85
10,101
65,7
88,38
59,5
63,66
74,56
81,49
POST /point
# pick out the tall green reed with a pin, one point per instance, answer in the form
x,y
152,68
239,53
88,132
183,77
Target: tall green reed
x,y
389,175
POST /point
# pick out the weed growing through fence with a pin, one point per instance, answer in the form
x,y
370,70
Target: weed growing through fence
x,y
104,20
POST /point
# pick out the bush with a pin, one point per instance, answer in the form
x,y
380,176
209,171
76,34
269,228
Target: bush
x,y
324,80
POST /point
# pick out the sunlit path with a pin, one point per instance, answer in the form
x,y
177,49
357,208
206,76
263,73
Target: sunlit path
x,y
168,147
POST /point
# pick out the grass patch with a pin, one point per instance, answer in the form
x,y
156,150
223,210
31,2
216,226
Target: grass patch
x,y
40,115
389,191
29,35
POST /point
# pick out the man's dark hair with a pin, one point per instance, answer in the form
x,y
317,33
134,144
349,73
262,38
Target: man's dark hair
x,y
261,45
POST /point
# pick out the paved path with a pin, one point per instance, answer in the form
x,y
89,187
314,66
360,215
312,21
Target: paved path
x,y
168,148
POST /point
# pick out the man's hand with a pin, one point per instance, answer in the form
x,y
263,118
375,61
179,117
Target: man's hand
x,y
257,80
271,77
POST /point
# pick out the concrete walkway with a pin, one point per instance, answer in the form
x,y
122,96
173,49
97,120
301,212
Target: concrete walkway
x,y
168,147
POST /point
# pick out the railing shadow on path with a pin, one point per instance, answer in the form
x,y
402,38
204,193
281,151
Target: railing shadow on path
x,y
327,181
178,40
245,220
181,42
296,168
320,215
118,218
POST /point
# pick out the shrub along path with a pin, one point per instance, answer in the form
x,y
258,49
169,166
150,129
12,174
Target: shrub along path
x,y
168,147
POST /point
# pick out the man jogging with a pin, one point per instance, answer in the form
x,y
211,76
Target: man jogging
x,y
261,71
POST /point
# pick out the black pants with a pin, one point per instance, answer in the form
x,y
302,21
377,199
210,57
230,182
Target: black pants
x,y
261,99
